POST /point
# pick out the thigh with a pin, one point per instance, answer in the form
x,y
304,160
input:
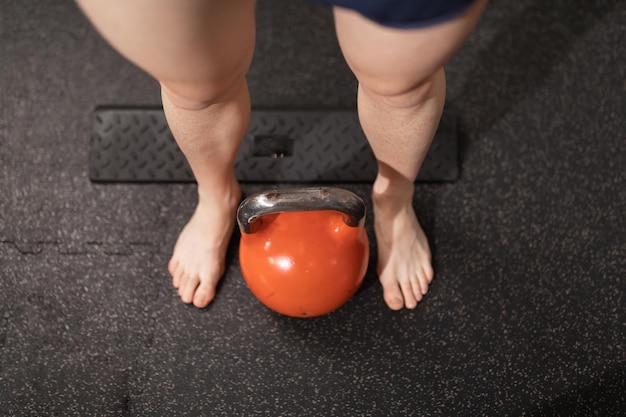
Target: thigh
x,y
179,41
392,60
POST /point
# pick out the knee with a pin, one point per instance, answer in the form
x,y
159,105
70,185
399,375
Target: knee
x,y
404,92
200,95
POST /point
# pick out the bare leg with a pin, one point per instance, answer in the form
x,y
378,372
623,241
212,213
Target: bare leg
x,y
400,100
200,51
197,262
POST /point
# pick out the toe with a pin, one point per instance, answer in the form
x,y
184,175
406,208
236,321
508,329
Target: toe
x,y
178,274
429,273
409,293
426,280
188,289
420,285
421,276
418,291
180,280
393,295
172,266
203,295
425,277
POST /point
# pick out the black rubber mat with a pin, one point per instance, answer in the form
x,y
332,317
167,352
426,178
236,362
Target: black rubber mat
x,y
525,316
136,145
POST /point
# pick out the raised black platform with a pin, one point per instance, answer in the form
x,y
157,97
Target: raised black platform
x,y
136,145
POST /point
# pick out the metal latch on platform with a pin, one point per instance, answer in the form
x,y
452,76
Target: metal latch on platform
x,y
272,146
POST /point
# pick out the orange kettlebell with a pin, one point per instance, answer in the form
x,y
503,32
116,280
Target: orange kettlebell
x,y
303,252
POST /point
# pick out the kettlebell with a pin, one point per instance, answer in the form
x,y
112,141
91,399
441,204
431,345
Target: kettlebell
x,y
303,251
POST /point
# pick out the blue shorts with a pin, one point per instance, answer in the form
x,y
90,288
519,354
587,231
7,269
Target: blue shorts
x,y
405,14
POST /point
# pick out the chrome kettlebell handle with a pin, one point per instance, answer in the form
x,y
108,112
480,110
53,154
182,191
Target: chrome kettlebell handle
x,y
287,200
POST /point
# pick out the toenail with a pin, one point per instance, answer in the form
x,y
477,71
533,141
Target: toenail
x,y
396,303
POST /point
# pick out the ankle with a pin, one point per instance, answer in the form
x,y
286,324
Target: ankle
x,y
226,192
392,194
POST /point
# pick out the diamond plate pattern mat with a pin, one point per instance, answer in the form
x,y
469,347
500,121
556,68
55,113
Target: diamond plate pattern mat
x,y
136,145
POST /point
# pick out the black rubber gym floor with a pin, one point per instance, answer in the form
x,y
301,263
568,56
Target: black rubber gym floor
x,y
526,316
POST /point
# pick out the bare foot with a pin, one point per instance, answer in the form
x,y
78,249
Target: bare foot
x,y
404,258
197,263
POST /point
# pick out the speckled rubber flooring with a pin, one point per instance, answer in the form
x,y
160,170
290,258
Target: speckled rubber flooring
x,y
526,316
